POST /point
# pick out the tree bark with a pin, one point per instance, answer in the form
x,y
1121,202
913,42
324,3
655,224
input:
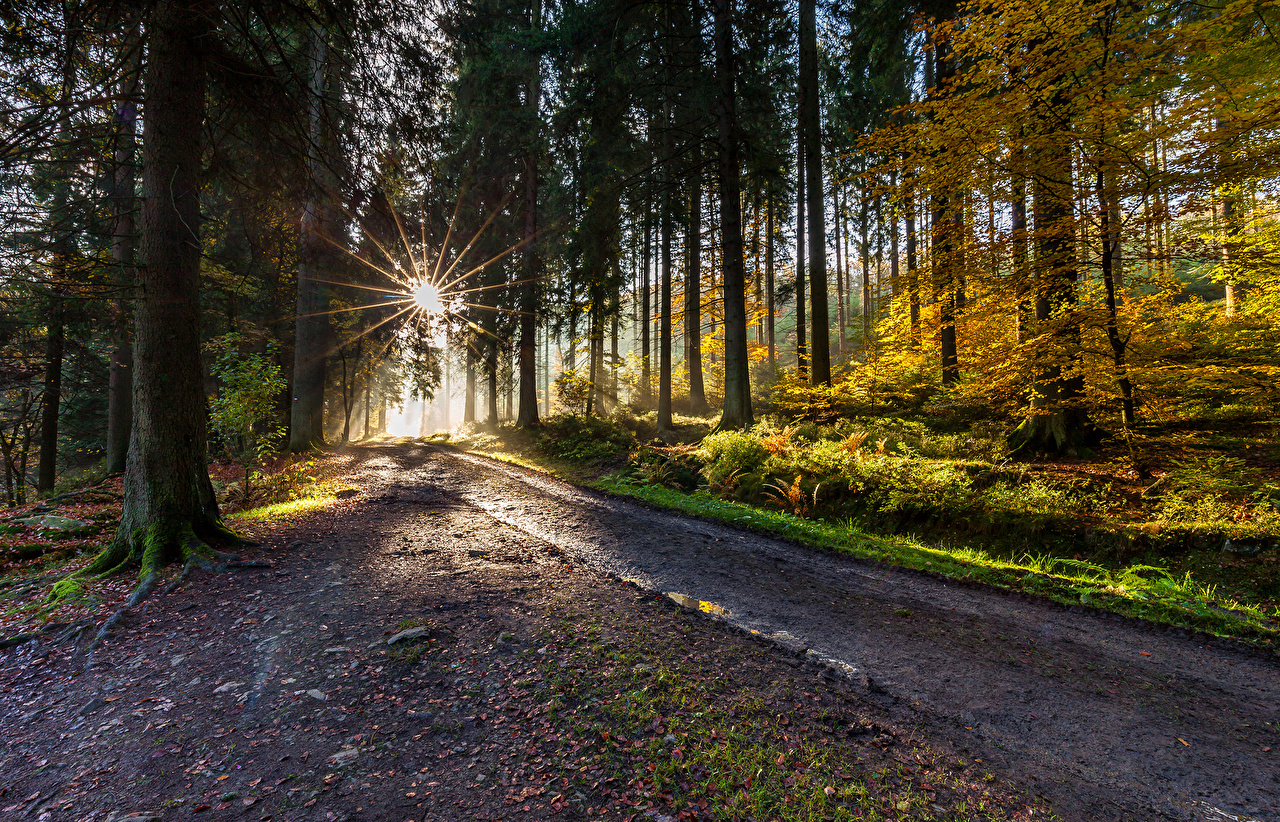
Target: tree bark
x,y
169,504
318,230
693,300
528,412
469,399
1057,423
646,317
913,274
820,355
124,202
802,349
770,336
737,385
664,421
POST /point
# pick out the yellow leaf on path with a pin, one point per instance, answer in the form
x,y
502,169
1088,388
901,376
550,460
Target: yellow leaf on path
x,y
1184,742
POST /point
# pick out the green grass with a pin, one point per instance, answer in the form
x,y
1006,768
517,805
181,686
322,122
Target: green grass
x,y
284,510
1140,591
1200,588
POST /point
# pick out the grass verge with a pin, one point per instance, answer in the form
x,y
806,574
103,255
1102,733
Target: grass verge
x,y
1141,591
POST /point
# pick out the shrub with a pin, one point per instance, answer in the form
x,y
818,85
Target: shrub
x,y
584,439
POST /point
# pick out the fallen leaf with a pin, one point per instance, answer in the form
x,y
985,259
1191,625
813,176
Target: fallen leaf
x,y
1184,742
1145,653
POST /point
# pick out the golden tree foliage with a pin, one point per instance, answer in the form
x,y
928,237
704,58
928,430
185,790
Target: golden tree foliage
x,y
1158,126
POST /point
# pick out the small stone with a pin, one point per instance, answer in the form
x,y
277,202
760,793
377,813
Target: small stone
x,y
316,693
226,686
344,757
339,649
409,633
93,705
178,660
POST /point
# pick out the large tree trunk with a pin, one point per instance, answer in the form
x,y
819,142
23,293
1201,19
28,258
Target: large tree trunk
x,y
319,229
1057,423
123,203
528,412
169,504
820,355
693,300
737,379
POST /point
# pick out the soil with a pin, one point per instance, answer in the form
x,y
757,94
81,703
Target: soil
x,y
542,676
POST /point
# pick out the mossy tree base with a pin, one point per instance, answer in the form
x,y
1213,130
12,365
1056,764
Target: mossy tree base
x,y
1063,432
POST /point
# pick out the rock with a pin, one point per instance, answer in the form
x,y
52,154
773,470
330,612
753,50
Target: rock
x,y
338,649
177,660
134,816
316,693
93,705
53,522
408,633
344,757
226,686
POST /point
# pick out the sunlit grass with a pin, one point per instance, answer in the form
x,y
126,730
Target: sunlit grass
x,y
279,511
1140,590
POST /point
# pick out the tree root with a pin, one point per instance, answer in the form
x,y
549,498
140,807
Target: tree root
x,y
151,550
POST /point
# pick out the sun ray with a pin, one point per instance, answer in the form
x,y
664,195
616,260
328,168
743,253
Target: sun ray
x,y
378,325
379,269
476,288
404,238
492,216
357,285
496,309
356,308
372,238
483,265
448,234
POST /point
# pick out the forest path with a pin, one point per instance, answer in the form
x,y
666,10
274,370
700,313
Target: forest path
x,y
1106,717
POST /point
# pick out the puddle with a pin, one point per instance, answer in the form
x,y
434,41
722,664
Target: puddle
x,y
698,604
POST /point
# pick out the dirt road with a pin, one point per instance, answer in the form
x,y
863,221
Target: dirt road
x,y
1108,718
272,694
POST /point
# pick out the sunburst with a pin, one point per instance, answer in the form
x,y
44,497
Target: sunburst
x,y
427,286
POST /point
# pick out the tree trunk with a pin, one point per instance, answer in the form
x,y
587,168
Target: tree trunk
x,y
1109,232
820,355
646,318
802,349
913,274
491,376
770,336
664,422
693,301
469,400
1057,423
528,413
840,318
319,228
169,504
124,201
737,385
